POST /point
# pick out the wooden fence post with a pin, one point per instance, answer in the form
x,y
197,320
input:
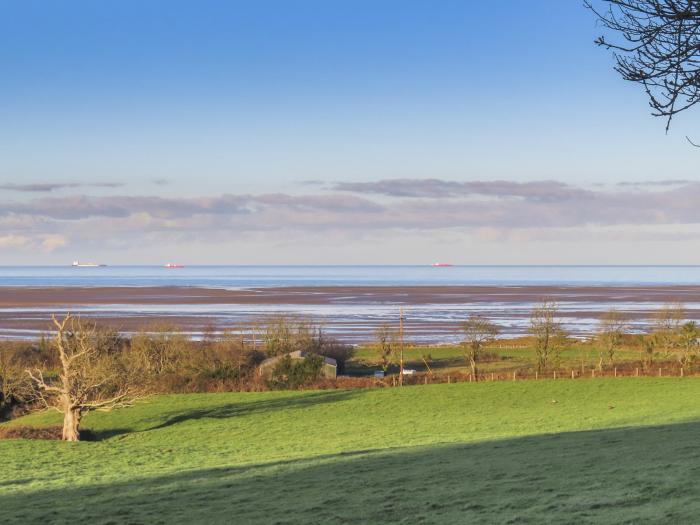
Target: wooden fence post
x,y
535,374
555,374
572,374
681,371
659,372
615,371
448,380
513,375
636,372
492,377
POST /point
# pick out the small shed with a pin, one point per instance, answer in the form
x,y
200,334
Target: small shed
x,y
329,369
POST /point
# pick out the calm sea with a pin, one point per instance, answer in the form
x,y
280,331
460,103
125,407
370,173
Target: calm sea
x,y
271,276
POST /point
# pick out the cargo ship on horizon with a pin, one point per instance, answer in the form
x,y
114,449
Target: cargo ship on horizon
x,y
78,264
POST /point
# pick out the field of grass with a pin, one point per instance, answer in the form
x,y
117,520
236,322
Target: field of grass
x,y
503,356
603,451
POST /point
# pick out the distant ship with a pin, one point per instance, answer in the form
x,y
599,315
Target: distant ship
x,y
172,265
78,264
441,265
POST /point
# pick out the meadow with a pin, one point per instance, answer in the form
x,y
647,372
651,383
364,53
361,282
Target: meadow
x,y
603,451
504,356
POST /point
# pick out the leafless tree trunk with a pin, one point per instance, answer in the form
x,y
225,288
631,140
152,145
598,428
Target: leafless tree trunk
x,y
387,344
549,335
71,422
89,378
612,329
479,332
667,325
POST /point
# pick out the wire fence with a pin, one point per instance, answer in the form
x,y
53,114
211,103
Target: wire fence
x,y
625,370
660,370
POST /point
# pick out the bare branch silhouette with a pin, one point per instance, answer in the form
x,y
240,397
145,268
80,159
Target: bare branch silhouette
x,y
659,48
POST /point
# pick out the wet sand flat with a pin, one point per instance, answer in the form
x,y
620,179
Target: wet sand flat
x,y
408,295
352,313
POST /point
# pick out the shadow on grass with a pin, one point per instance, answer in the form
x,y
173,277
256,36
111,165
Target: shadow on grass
x,y
628,475
289,402
229,410
88,434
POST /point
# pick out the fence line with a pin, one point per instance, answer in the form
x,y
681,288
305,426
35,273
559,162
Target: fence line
x,y
560,374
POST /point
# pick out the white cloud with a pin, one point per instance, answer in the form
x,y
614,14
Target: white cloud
x,y
488,212
53,242
14,241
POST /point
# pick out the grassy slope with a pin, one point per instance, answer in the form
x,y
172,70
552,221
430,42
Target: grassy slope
x,y
495,452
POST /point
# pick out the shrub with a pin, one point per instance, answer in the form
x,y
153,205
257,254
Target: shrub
x,y
295,373
338,351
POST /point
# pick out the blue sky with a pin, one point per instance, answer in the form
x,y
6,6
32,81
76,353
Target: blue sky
x,y
195,100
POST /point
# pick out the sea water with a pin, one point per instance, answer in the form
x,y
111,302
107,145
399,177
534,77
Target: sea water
x,y
236,277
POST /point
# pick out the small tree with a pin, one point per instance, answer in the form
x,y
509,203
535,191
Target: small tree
x,y
283,335
610,333
15,387
648,343
688,339
478,332
90,376
667,325
550,336
232,349
296,373
386,344
159,350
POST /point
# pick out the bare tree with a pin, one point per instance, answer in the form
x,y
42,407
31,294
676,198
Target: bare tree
x,y
90,376
658,46
387,344
610,333
667,324
550,336
478,332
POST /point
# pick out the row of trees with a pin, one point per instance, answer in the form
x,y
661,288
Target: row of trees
x,y
549,336
478,331
668,332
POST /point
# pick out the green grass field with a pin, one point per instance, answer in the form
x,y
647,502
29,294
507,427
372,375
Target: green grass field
x,y
502,357
603,451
